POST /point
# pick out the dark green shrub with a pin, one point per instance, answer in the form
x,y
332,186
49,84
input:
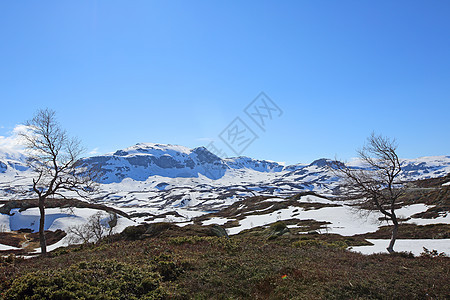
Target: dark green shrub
x,y
10,259
156,229
227,244
277,229
166,265
320,244
404,254
431,253
134,232
192,239
218,231
224,243
308,243
93,280
278,226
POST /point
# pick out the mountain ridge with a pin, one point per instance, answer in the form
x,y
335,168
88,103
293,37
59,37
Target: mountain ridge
x,y
164,176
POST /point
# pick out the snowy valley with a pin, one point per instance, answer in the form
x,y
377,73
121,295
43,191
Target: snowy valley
x,y
168,183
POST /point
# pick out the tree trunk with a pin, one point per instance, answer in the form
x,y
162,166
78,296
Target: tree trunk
x,y
42,241
390,249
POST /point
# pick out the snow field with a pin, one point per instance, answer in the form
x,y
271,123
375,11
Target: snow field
x,y
55,218
409,245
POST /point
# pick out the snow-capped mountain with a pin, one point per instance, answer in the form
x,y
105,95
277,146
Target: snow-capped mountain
x,y
141,161
170,177
243,162
425,167
12,162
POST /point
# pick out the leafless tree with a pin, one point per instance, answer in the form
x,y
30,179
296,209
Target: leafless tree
x,y
54,156
79,234
376,184
94,229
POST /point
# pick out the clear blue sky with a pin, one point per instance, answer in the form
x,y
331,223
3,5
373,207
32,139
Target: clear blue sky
x,y
123,72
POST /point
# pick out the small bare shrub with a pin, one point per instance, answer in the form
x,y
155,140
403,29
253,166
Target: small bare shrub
x,y
96,228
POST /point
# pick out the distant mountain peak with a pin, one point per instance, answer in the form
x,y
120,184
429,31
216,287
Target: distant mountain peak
x,y
143,160
321,162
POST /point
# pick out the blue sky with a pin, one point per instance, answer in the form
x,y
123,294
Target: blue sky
x,y
121,72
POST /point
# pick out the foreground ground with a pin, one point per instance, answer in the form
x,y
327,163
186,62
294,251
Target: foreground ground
x,y
163,262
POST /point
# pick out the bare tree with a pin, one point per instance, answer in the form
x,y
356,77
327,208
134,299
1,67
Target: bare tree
x,y
54,156
80,233
377,184
94,229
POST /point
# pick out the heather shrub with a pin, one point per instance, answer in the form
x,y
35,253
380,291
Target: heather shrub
x,y
277,229
278,226
133,232
10,259
88,280
167,267
320,244
218,231
432,253
225,243
190,239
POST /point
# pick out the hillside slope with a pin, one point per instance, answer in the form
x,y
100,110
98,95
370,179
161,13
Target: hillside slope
x,y
189,263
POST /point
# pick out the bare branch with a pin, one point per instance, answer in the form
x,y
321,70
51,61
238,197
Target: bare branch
x,y
376,185
55,158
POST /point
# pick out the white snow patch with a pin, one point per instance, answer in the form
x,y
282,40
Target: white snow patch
x,y
415,246
315,199
274,200
439,220
344,219
7,247
30,218
56,218
216,220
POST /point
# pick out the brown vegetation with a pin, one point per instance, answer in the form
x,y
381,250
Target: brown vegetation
x,y
183,265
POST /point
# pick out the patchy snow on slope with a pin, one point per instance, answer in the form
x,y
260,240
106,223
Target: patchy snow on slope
x,y
345,220
216,220
315,199
81,215
30,218
6,247
409,210
155,180
186,214
409,245
158,176
439,220
274,200
56,218
73,217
